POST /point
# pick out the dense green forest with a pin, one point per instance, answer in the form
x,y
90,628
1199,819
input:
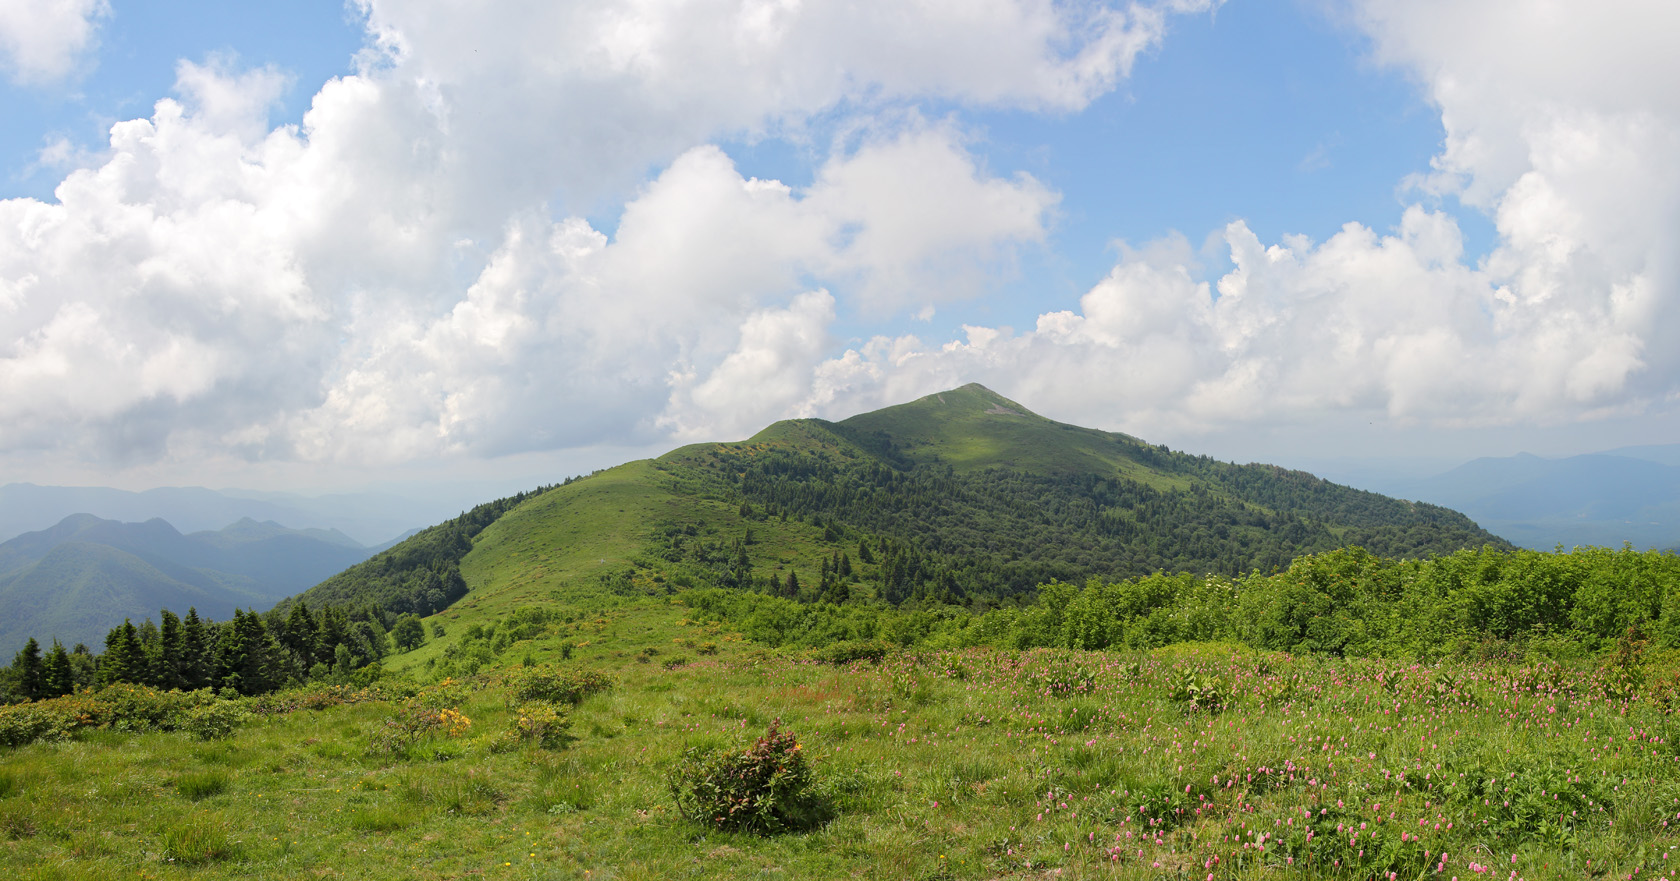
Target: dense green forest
x,y
1000,532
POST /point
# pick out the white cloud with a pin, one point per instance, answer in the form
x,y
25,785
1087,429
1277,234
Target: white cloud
x,y
1561,123
385,281
42,40
405,274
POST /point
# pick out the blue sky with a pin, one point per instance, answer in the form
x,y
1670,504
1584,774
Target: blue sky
x,y
1287,231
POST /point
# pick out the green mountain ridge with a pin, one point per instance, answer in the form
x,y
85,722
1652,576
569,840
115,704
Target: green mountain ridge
x,y
963,497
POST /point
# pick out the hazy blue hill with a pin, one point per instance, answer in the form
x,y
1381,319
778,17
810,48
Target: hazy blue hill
x,y
85,574
78,590
1593,499
364,517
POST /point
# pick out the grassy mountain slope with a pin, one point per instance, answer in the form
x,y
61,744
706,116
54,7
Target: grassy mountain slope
x,y
962,497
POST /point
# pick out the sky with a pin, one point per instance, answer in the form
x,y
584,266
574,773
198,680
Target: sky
x,y
322,245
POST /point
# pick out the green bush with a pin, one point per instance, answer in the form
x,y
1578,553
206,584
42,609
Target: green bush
x,y
414,724
212,721
851,651
766,788
546,682
1199,691
539,723
22,724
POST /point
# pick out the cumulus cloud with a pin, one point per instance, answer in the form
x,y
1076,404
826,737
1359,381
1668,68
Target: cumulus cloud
x,y
42,40
1560,125
388,279
409,273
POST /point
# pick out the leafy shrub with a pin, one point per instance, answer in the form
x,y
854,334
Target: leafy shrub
x,y
851,651
212,721
415,724
546,682
765,788
540,723
22,724
1198,691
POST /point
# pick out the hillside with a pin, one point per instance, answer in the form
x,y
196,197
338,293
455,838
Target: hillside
x,y
963,498
77,580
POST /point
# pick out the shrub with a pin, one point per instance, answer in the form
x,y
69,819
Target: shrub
x,y
22,724
1199,691
212,721
539,723
414,724
765,788
549,683
851,651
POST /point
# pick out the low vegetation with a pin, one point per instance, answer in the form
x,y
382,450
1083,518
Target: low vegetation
x,y
800,656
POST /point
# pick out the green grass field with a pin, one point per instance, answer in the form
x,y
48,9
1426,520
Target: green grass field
x,y
1188,762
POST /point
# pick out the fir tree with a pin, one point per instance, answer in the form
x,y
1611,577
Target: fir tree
x,y
195,668
164,655
58,677
124,659
31,676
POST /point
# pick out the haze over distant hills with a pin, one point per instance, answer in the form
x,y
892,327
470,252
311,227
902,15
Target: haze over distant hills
x,y
1631,494
369,518
83,576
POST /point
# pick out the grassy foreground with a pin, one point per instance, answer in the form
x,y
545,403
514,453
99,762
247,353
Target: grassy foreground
x,y
1188,762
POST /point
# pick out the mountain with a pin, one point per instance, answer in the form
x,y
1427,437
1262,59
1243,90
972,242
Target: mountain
x,y
1606,499
368,517
86,574
961,497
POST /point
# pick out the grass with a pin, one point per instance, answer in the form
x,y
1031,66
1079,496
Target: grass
x,y
977,764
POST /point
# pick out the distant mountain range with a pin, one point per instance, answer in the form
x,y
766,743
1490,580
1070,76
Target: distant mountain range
x,y
367,517
1630,494
83,576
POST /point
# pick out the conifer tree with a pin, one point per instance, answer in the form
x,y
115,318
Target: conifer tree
x,y
165,654
31,676
57,675
195,667
124,659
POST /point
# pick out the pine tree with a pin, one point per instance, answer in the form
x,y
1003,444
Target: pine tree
x,y
165,654
31,677
196,653
299,637
57,675
124,659
248,656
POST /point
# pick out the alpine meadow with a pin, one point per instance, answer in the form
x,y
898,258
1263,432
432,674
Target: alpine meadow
x,y
946,639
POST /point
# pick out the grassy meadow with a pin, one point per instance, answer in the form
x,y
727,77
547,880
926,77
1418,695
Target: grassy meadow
x,y
1192,761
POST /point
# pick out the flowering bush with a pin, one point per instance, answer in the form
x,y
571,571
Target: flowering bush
x,y
765,788
541,723
415,724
